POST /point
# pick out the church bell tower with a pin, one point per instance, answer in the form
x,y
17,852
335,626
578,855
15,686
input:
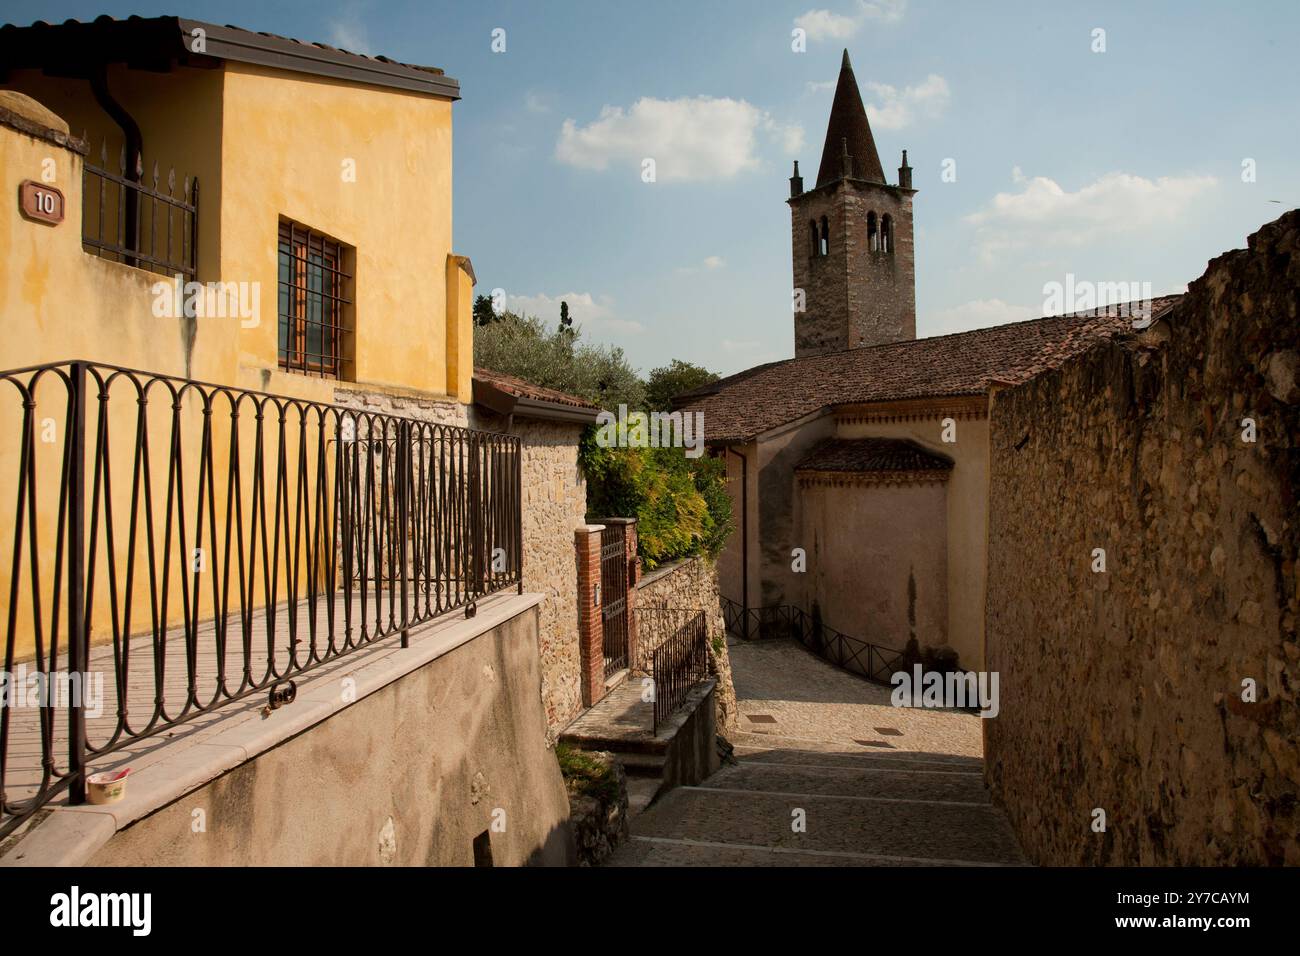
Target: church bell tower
x,y
852,239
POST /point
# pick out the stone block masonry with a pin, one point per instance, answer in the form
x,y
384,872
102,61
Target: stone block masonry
x,y
693,583
1127,690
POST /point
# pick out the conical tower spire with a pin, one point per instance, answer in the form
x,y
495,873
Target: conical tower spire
x,y
848,127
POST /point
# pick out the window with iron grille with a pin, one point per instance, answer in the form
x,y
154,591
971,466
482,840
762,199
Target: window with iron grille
x,y
315,303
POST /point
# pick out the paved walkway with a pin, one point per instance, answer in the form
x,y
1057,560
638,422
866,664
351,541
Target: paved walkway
x,y
874,785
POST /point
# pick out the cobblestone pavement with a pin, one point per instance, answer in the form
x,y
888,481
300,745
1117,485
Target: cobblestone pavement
x,y
875,784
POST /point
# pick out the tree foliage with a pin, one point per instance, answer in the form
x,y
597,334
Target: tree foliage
x,y
558,358
681,504
671,380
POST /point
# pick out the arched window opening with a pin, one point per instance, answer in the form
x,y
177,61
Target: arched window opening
x,y
826,237
873,233
886,234
814,244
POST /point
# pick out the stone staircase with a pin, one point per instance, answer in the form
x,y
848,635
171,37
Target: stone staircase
x,y
621,724
828,773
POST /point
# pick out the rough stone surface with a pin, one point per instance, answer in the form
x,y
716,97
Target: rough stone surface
x,y
693,583
854,296
1123,690
599,825
420,406
876,785
555,502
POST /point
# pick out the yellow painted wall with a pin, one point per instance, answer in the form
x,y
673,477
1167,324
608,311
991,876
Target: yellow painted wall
x,y
264,144
285,140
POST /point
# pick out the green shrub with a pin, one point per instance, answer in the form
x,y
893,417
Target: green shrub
x,y
681,504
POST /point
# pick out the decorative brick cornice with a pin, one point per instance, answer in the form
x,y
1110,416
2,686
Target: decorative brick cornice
x,y
835,479
913,409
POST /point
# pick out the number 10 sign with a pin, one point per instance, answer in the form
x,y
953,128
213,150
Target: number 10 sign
x,y
40,202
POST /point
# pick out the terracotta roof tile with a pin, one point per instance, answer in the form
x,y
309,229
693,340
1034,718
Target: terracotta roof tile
x,y
746,404
520,388
873,454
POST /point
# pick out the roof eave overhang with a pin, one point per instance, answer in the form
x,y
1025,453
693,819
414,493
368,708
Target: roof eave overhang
x,y
276,52
501,402
161,43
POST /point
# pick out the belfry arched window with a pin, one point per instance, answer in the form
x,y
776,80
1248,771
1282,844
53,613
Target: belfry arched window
x,y
873,233
886,234
825,245
814,241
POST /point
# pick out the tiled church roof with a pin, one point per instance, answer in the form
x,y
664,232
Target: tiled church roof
x,y
744,405
872,454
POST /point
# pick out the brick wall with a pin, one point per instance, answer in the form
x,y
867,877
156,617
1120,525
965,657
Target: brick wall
x,y
586,548
1123,690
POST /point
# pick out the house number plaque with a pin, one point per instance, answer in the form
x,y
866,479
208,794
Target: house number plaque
x,y
40,202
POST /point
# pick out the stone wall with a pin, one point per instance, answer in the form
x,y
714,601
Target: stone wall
x,y
693,583
421,406
854,296
1123,690
555,502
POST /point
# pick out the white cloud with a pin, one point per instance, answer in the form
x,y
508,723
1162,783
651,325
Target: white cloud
x,y
591,312
828,25
826,87
1044,213
886,11
978,314
892,108
824,25
690,138
350,34
708,264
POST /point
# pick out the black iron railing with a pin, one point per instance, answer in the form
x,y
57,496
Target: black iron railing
x,y
139,222
654,625
188,545
679,662
872,661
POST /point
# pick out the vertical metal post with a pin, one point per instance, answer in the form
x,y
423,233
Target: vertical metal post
x,y
475,518
194,229
403,520
78,634
518,529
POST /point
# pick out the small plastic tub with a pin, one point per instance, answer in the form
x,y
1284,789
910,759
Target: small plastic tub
x,y
107,787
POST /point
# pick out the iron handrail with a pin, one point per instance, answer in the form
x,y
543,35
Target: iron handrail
x,y
228,542
873,661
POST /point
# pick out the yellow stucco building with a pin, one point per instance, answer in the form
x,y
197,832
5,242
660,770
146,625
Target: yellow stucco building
x,y
231,208
350,151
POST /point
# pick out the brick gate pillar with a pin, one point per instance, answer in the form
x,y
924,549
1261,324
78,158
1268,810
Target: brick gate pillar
x,y
591,637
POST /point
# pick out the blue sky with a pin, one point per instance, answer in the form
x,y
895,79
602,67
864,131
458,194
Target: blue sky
x,y
1123,165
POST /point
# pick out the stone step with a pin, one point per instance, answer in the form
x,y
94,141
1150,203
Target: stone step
x,y
749,742
955,831
641,792
900,761
921,783
643,765
653,851
649,746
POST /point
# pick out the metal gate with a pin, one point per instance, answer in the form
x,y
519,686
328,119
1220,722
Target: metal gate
x,y
613,603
